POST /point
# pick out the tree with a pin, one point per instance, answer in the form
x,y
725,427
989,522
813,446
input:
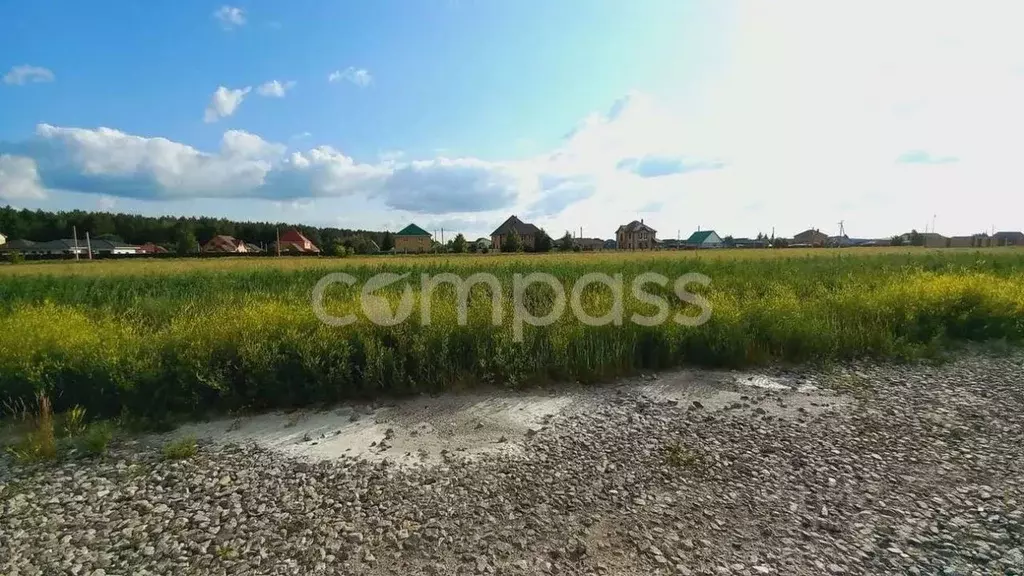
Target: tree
x,y
473,247
186,243
566,243
896,240
543,242
387,242
729,242
459,244
916,239
513,243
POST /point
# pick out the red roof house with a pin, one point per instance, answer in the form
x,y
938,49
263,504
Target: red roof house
x,y
294,241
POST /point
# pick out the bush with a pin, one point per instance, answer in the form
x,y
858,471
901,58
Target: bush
x,y
181,448
95,439
15,257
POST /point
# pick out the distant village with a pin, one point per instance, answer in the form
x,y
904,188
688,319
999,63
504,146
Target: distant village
x,y
513,235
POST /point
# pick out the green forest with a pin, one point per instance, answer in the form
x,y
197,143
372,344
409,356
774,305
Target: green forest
x,y
39,225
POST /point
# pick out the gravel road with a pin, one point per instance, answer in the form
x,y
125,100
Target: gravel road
x,y
858,469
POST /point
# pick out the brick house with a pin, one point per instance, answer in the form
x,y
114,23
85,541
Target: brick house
x,y
527,233
412,238
636,236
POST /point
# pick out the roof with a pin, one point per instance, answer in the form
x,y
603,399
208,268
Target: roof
x,y
635,226
1005,234
700,237
412,230
518,225
811,231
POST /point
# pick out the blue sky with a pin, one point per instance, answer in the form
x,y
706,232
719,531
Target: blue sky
x,y
735,115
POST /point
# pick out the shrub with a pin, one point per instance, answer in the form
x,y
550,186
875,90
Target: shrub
x,y
95,439
181,448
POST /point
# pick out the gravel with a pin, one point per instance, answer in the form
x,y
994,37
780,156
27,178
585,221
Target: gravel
x,y
920,472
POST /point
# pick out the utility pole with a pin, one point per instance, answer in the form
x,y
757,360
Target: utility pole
x,y
88,244
278,244
74,232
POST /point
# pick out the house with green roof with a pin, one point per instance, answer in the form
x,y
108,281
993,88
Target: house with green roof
x,y
704,239
412,238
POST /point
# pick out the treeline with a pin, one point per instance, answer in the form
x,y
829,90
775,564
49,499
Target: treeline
x,y
167,231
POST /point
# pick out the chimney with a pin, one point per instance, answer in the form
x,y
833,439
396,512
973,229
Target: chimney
x,y
641,220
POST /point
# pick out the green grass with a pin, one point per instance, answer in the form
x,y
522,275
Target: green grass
x,y
160,337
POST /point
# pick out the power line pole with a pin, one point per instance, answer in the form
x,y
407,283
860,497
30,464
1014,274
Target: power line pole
x,y
74,232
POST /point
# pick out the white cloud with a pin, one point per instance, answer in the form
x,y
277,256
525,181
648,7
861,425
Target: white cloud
x,y
358,76
19,179
113,163
230,17
275,88
26,74
224,102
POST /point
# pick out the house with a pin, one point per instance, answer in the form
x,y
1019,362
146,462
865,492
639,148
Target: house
x,y
589,244
810,238
750,242
928,239
151,248
671,244
23,246
636,236
223,244
482,243
3,239
1008,239
527,233
611,244
839,241
412,238
704,239
294,242
972,241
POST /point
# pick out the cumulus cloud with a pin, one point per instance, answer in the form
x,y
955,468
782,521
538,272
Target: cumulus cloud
x,y
19,179
224,102
275,88
26,74
444,185
113,163
230,17
358,76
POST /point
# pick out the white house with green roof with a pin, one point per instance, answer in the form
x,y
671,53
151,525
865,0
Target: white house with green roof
x,y
412,238
704,239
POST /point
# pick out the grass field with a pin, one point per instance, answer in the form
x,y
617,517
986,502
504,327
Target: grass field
x,y
159,336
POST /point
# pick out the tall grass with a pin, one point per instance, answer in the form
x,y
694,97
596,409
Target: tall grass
x,y
153,337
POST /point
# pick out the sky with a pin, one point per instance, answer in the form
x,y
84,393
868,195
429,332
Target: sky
x,y
742,116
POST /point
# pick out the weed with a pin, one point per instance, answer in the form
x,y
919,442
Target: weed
x,y
678,456
38,444
232,333
181,448
74,422
95,439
